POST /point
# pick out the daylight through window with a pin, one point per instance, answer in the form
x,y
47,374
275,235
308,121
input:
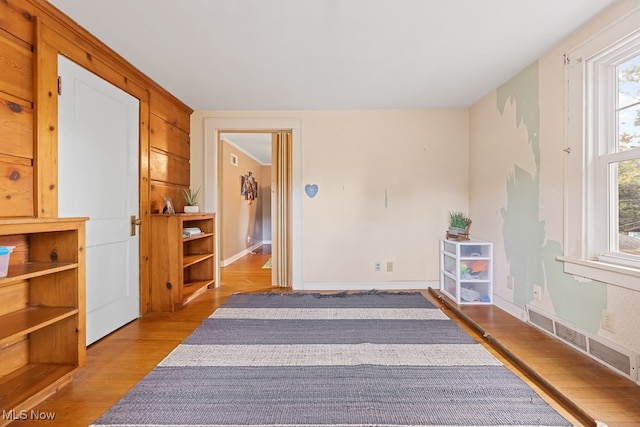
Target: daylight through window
x,y
620,153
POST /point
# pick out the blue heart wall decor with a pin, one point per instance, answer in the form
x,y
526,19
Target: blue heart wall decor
x,y
311,190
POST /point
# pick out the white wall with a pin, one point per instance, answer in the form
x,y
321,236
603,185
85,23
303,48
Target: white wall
x,y
387,180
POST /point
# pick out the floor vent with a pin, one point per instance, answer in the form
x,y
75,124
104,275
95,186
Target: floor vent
x,y
541,321
621,360
572,337
611,357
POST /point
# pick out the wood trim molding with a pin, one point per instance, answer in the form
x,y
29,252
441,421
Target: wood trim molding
x,y
45,126
47,135
145,207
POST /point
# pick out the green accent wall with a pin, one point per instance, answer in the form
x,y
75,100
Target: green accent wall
x,y
531,256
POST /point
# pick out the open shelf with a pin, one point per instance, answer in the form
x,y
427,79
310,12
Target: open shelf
x,y
20,388
30,270
193,289
42,309
199,236
189,260
31,319
181,268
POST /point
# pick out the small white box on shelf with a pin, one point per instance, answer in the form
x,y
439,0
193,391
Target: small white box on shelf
x,y
466,271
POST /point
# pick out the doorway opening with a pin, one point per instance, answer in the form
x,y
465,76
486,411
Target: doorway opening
x,y
254,191
244,185
286,203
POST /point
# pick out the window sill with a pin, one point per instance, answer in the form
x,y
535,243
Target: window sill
x,y
613,274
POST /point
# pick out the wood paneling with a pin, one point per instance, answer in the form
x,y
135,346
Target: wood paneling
x,y
16,297
20,253
16,190
16,20
169,155
14,356
56,344
168,138
53,247
57,290
160,190
16,69
169,111
168,169
169,166
16,125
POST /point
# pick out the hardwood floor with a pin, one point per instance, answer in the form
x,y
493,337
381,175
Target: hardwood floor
x,y
117,362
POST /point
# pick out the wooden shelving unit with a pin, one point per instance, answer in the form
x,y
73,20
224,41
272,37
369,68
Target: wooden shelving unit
x,y
181,268
42,309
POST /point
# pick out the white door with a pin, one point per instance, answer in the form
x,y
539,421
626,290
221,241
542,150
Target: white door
x,y
98,178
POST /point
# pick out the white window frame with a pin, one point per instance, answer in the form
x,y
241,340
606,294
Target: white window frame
x,y
587,215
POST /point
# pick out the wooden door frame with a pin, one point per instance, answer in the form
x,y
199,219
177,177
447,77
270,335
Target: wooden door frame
x,y
49,43
210,186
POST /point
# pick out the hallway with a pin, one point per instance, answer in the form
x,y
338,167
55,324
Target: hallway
x,y
247,272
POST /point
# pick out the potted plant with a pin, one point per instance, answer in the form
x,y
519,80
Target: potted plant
x,y
459,223
191,197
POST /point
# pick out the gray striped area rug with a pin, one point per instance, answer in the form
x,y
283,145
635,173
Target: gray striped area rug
x,y
349,359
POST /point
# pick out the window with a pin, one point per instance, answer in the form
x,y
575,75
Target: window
x,y
602,167
613,84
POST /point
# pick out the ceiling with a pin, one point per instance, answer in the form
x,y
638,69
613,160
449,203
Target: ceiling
x,y
330,54
253,144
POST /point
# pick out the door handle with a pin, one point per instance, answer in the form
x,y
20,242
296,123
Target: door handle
x,y
134,221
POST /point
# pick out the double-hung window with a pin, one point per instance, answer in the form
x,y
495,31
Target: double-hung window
x,y
615,154
602,168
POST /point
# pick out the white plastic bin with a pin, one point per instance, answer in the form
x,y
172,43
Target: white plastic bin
x,y
5,252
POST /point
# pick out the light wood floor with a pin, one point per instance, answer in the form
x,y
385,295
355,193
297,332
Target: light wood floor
x,y
116,363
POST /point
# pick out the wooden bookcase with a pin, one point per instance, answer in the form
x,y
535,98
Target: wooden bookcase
x,y
42,310
181,267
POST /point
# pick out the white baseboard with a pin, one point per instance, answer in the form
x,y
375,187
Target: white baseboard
x,y
359,286
239,255
509,307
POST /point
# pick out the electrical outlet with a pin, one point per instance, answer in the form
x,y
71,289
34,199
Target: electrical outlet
x,y
607,321
510,281
377,266
389,266
537,293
